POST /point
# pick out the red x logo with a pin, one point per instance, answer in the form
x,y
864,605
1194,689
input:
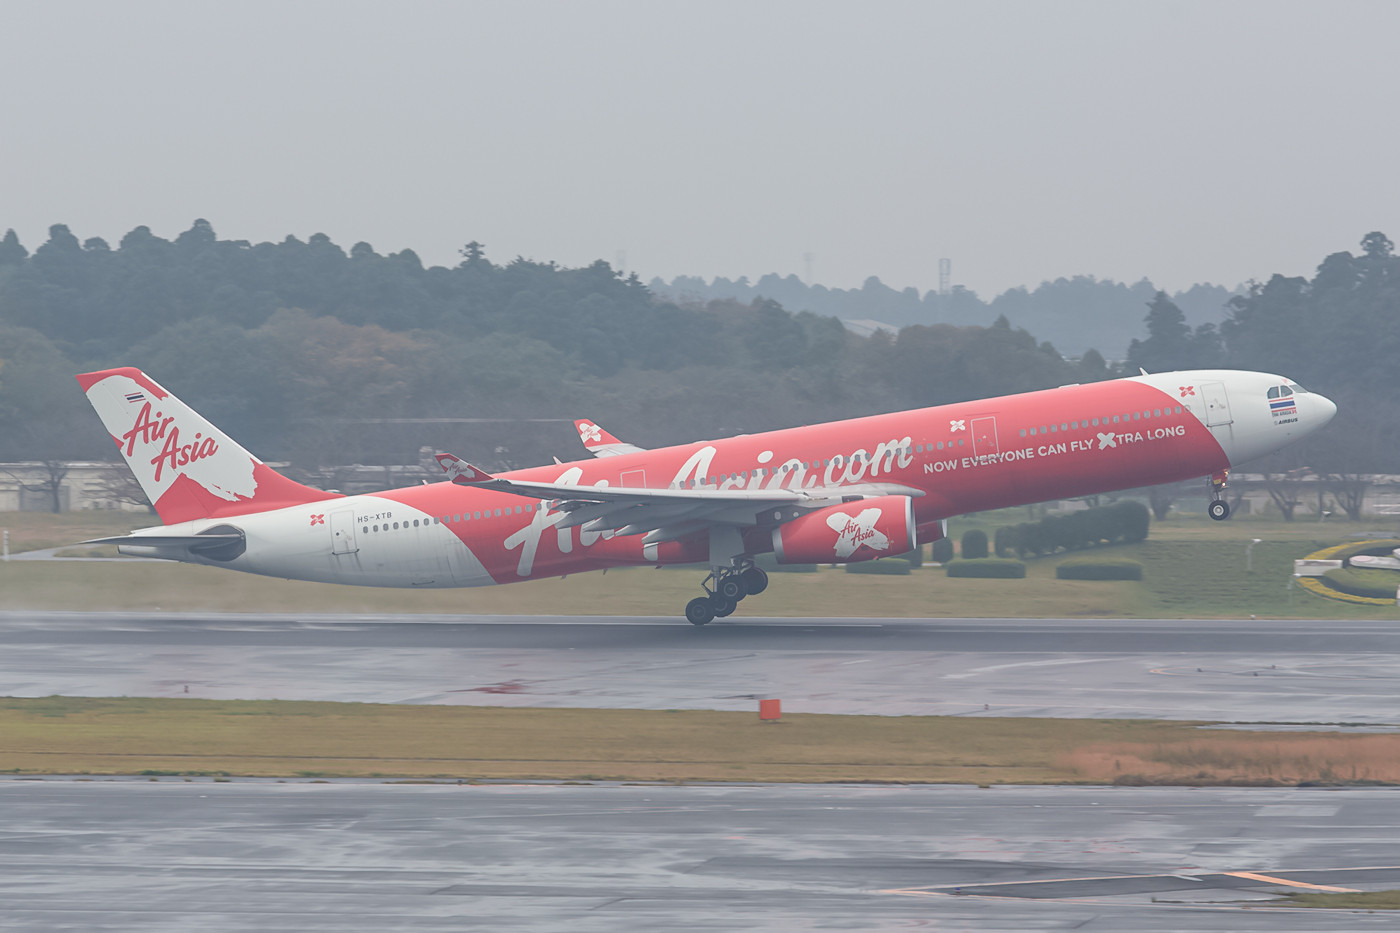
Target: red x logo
x,y
318,519
1187,390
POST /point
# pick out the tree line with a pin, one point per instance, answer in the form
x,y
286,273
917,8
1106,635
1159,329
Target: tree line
x,y
314,354
1074,313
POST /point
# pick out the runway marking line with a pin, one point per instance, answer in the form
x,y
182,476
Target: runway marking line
x,y
1270,879
950,889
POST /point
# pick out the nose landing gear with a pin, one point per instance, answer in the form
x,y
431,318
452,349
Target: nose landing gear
x,y
1218,509
724,588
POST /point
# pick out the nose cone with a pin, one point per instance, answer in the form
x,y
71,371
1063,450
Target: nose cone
x,y
1325,409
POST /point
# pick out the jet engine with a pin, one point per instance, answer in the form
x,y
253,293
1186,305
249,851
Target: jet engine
x,y
849,532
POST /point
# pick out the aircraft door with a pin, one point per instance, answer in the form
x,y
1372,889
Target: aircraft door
x,y
1217,404
984,436
343,532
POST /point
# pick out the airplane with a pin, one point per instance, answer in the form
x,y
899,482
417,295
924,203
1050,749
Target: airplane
x,y
836,492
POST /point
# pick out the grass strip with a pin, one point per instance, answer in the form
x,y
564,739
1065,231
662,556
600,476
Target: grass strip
x,y
306,739
1359,900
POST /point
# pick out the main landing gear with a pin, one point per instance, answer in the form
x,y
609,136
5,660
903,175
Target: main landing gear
x,y
724,588
1218,509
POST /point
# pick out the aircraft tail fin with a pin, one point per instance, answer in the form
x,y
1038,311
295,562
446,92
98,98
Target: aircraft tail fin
x,y
188,468
600,443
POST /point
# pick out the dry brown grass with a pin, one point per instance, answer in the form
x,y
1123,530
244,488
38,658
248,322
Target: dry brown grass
x,y
1241,757
277,738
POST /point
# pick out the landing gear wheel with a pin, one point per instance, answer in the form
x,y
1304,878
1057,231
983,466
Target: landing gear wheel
x,y
732,587
755,580
1219,510
699,611
722,607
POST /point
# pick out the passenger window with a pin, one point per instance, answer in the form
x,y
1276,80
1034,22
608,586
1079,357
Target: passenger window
x,y
1156,412
1074,425
1094,422
1064,427
1032,432
1023,432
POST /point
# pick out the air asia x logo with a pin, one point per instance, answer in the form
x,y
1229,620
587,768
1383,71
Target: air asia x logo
x,y
957,425
1187,390
590,433
318,519
155,427
1108,440
851,533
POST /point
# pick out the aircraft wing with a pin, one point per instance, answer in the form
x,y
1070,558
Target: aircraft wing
x,y
664,514
600,443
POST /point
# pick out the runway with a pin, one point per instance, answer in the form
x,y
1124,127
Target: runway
x,y
1245,671
170,855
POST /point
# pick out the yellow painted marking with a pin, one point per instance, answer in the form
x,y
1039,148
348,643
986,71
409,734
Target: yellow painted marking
x,y
1270,879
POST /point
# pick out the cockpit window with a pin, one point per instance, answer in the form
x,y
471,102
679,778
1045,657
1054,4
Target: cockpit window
x,y
1299,390
1273,393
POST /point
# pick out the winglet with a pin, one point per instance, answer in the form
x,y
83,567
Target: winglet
x,y
462,472
599,442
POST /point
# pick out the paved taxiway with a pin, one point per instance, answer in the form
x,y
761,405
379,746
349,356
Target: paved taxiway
x,y
170,855
1252,671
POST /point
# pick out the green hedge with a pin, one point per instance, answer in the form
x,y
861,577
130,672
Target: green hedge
x,y
1126,521
888,566
991,567
1086,568
941,551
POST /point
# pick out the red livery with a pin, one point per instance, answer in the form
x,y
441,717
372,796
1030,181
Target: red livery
x,y
836,492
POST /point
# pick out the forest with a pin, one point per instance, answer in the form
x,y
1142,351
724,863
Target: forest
x,y
312,354
1075,313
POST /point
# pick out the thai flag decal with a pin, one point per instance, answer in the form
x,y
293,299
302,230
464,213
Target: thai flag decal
x,y
1283,406
136,397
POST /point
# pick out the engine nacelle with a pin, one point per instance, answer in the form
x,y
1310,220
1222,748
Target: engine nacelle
x,y
846,533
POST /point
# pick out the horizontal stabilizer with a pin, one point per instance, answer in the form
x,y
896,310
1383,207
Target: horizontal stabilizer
x,y
190,541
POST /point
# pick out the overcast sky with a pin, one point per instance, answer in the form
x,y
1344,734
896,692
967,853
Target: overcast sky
x,y
1182,141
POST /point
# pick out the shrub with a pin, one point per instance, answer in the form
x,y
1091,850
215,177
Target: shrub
x,y
1124,521
1134,520
974,544
915,557
992,567
1086,568
887,566
941,551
